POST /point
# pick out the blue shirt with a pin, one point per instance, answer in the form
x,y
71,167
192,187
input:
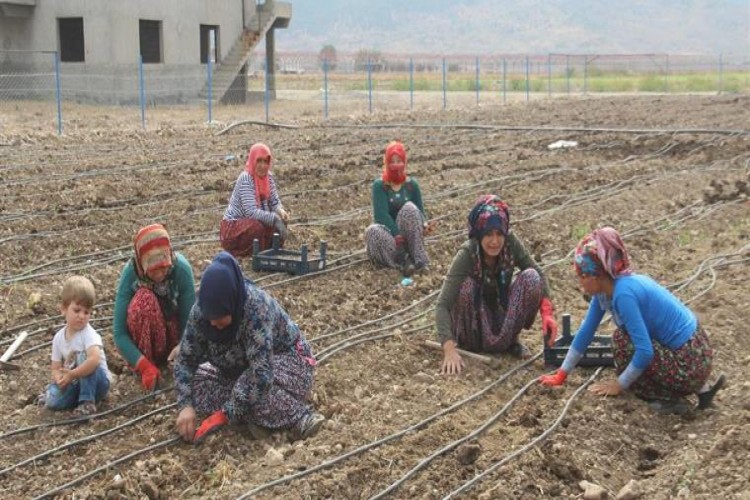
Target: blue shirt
x,y
648,312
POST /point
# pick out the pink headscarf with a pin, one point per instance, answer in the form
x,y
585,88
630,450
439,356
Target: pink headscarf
x,y
600,252
262,184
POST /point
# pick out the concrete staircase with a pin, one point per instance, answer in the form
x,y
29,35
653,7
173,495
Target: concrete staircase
x,y
228,69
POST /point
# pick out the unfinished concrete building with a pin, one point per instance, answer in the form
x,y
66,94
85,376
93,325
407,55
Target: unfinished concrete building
x,y
100,45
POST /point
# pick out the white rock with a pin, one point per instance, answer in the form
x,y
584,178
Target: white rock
x,y
274,457
630,491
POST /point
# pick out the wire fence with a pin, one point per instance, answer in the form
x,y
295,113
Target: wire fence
x,y
363,82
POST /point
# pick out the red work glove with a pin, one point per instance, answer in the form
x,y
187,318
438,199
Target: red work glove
x,y
149,373
549,325
211,424
555,379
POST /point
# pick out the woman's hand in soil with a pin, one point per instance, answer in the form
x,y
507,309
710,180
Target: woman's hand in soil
x,y
429,227
452,361
606,388
186,423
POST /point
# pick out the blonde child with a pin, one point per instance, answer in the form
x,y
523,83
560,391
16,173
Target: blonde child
x,y
80,377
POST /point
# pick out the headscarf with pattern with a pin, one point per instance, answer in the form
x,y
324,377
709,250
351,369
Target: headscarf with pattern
x,y
222,293
394,173
602,252
262,184
488,213
152,251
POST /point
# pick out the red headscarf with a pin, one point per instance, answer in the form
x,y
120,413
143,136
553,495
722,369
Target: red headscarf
x,y
394,174
262,184
602,252
153,249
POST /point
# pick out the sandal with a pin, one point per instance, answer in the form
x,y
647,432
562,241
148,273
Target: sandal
x,y
519,350
308,426
705,399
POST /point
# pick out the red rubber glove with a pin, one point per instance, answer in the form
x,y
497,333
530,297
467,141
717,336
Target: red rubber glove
x,y
149,373
555,379
211,424
549,325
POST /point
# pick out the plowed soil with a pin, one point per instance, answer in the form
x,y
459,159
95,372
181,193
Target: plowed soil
x,y
668,172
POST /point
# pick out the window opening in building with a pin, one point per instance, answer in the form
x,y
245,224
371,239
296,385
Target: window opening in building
x,y
150,35
70,32
209,43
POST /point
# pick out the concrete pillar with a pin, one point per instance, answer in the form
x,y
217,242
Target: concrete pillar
x,y
270,63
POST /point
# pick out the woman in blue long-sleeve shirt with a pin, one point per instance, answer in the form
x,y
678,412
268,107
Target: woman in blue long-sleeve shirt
x,y
661,353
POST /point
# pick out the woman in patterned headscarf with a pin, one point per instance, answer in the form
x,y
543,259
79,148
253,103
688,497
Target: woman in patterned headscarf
x,y
254,210
661,353
242,361
396,237
154,296
482,307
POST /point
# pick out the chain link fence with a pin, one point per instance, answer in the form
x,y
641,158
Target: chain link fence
x,y
331,84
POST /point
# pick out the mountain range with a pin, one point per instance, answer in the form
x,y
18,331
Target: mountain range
x,y
522,26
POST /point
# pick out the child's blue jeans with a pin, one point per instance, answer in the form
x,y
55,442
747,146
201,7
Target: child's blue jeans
x,y
91,388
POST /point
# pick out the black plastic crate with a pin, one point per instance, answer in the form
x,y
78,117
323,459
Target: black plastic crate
x,y
599,352
276,259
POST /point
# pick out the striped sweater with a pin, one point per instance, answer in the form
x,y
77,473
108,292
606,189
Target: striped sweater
x,y
243,204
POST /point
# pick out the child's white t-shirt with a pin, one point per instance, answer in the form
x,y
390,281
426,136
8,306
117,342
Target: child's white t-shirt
x,y
72,353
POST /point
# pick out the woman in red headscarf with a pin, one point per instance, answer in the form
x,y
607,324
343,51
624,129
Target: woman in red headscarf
x,y
484,304
661,353
254,210
396,238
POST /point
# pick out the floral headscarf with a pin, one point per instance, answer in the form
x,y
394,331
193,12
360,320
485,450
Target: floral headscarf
x,y
489,212
262,184
393,174
602,252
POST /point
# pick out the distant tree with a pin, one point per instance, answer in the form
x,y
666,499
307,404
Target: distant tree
x,y
365,56
328,53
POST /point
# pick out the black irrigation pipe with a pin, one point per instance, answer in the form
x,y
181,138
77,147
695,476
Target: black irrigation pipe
x,y
107,466
347,345
504,128
469,484
86,439
48,319
372,445
377,320
78,420
451,446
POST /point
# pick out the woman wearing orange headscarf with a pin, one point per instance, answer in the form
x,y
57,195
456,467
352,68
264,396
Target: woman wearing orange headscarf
x,y
254,210
396,238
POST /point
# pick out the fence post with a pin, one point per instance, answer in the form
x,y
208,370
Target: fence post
x,y
58,92
527,78
445,89
585,74
505,79
369,84
265,90
567,73
666,74
141,92
549,75
721,73
411,83
209,81
325,89
477,82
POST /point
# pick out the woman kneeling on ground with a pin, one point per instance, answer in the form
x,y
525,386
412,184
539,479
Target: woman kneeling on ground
x,y
154,296
254,210
482,307
242,361
396,238
660,351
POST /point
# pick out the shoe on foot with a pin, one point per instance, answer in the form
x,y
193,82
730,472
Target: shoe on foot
x,y
518,350
670,407
85,409
705,399
308,426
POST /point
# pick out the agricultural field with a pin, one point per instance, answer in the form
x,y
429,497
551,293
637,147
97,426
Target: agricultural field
x,y
671,173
